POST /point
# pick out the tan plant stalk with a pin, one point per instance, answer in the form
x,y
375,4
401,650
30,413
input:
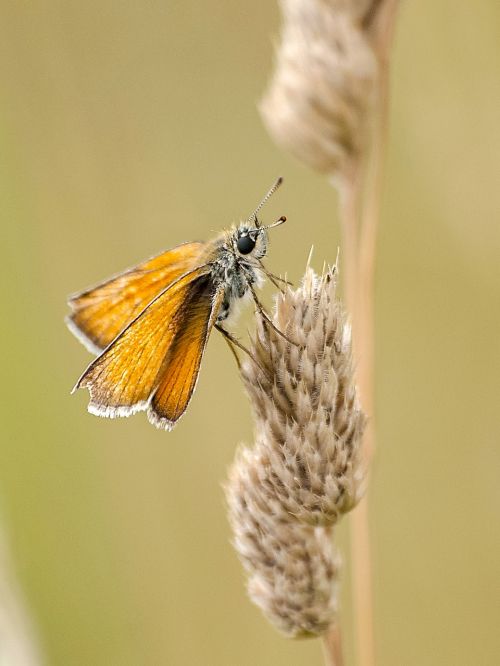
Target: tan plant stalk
x,y
304,471
332,646
361,302
327,104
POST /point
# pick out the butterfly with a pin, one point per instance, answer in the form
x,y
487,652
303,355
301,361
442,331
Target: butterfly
x,y
149,325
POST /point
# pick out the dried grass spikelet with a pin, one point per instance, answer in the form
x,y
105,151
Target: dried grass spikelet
x,y
304,471
292,568
318,103
308,420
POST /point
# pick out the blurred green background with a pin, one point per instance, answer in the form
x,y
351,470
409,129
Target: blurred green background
x,y
126,128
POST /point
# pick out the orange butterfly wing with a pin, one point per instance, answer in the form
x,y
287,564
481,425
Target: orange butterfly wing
x,y
174,326
99,314
178,381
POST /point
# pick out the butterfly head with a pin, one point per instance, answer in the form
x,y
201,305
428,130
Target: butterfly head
x,y
250,240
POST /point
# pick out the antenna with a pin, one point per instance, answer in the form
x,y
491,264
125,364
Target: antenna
x,y
273,189
275,224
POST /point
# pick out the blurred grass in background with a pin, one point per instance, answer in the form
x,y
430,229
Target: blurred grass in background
x,y
127,128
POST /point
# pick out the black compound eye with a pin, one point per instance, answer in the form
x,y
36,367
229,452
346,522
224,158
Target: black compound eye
x,y
245,244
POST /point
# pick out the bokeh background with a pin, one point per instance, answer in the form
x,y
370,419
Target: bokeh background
x,y
126,128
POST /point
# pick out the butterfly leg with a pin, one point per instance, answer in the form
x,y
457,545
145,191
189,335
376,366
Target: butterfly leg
x,y
268,319
233,342
274,278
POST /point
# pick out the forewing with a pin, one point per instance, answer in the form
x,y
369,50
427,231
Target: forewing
x,y
122,379
99,314
178,379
